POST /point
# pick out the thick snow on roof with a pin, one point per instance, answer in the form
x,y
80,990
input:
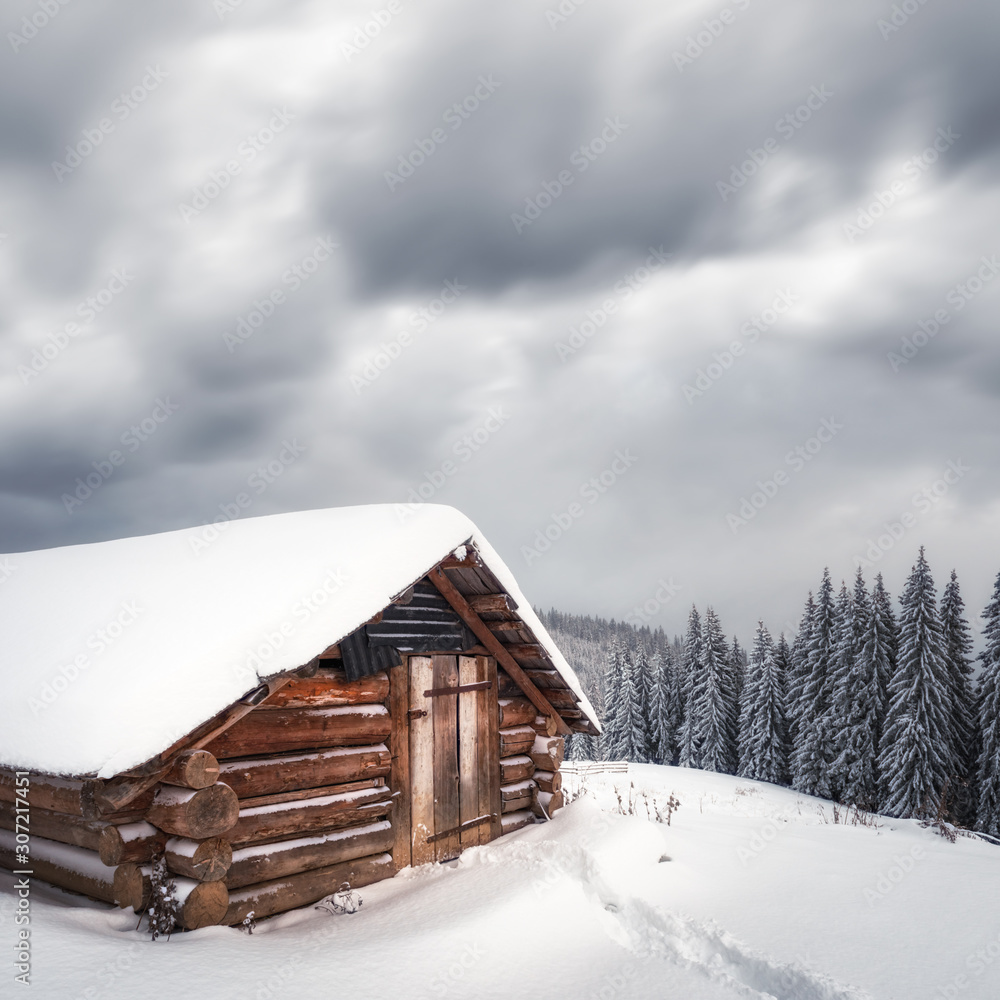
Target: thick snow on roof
x,y
112,651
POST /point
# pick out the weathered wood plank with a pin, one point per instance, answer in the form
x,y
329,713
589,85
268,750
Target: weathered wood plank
x,y
421,760
492,604
265,776
279,895
330,688
399,747
490,741
468,751
263,862
283,730
446,777
452,595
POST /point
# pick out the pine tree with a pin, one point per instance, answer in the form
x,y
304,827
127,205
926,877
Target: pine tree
x,y
670,709
636,679
582,746
763,729
798,671
856,702
813,752
655,707
881,647
719,711
964,720
692,689
738,667
988,771
616,703
916,758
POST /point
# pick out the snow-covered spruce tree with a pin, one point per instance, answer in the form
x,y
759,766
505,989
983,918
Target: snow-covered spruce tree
x,y
581,747
616,703
988,704
763,729
916,756
654,706
717,735
738,661
670,709
692,678
783,666
856,703
813,751
964,718
882,649
637,676
798,671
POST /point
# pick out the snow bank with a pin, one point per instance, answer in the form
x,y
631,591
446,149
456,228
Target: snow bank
x,y
748,895
112,651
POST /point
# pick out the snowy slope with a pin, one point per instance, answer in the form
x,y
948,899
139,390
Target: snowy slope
x,y
114,650
760,898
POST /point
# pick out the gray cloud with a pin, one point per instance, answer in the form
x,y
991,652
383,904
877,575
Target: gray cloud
x,y
382,397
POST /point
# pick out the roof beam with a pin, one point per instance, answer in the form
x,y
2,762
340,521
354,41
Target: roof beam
x,y
482,632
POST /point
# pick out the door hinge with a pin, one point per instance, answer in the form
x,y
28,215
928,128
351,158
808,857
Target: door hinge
x,y
416,713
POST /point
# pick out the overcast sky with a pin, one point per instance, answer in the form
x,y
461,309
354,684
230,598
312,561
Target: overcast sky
x,y
490,253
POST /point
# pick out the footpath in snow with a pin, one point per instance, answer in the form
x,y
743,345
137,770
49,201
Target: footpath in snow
x,y
752,891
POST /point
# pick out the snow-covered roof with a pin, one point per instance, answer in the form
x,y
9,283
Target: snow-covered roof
x,y
110,652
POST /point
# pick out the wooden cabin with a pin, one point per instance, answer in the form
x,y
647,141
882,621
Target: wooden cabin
x,y
417,709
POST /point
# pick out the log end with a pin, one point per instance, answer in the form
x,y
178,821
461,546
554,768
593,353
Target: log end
x,y
205,906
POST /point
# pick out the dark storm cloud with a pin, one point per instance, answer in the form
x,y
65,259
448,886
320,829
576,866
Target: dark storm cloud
x,y
685,131
380,381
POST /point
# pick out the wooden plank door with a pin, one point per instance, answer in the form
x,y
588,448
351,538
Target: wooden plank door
x,y
454,763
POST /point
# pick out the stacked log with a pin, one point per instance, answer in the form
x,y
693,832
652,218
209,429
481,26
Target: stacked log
x,y
278,895
205,860
285,730
516,769
517,796
269,775
317,810
516,712
516,741
275,812
548,781
66,866
200,904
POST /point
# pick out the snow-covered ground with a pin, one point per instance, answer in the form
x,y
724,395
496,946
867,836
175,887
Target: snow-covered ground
x,y
752,891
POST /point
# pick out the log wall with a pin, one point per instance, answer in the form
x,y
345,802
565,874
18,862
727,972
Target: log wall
x,y
306,791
